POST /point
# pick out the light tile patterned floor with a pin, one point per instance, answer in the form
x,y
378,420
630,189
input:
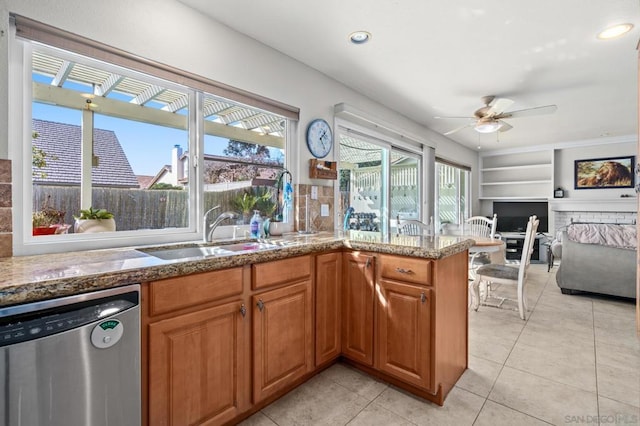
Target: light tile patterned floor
x,y
576,360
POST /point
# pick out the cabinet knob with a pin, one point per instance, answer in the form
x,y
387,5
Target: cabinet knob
x,y
243,310
423,297
260,304
368,262
404,271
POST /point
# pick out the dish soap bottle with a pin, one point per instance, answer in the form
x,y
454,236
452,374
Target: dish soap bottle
x,y
255,225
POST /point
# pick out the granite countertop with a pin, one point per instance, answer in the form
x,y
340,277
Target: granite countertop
x,y
31,278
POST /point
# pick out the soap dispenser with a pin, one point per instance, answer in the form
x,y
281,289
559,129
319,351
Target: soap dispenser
x,y
255,225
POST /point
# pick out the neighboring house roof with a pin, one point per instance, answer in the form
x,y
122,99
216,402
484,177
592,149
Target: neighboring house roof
x,y
160,176
267,173
144,181
62,142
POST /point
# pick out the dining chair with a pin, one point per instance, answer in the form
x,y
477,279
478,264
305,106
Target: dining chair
x,y
480,226
507,274
413,227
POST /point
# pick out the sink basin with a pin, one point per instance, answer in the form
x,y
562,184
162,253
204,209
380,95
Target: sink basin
x,y
210,251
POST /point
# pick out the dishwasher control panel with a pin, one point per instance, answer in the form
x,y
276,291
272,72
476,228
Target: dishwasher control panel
x,y
29,326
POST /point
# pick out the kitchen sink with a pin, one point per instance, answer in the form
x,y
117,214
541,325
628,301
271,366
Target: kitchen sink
x,y
197,251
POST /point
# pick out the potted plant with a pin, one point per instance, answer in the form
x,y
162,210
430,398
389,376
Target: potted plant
x,y
265,202
94,220
245,203
47,220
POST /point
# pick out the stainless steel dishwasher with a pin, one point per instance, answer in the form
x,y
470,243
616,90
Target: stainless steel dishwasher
x,y
72,361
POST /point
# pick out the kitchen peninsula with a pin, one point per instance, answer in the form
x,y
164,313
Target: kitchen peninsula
x,y
224,336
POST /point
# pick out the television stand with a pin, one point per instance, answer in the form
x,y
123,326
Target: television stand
x,y
514,242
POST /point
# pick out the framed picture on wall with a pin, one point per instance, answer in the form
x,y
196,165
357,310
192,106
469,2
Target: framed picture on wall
x,y
599,173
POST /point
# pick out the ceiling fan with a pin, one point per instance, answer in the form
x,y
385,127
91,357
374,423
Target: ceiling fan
x,y
489,118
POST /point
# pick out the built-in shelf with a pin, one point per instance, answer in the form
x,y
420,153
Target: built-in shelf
x,y
508,176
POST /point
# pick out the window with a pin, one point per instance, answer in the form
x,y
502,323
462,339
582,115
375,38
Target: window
x,y
106,138
244,153
452,193
155,153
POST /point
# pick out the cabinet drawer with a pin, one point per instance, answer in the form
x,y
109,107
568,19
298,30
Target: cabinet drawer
x,y
181,292
281,271
407,269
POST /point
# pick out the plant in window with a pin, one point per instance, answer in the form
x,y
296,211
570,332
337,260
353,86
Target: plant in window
x,y
245,204
265,202
94,220
45,220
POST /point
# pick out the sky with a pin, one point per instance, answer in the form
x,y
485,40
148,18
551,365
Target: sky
x,y
147,147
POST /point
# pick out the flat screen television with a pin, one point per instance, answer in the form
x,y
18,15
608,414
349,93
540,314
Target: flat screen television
x,y
513,215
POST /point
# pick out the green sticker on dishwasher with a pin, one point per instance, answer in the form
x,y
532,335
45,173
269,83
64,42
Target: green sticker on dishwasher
x,y
111,324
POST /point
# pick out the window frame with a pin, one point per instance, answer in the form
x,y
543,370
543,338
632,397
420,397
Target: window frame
x,y
20,94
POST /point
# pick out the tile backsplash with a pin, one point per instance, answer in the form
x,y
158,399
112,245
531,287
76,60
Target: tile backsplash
x,y
317,222
6,227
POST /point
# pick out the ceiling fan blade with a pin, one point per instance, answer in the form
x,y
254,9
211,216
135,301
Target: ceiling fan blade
x,y
497,106
457,129
547,109
444,118
505,126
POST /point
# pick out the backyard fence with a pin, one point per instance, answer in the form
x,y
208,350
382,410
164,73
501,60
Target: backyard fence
x,y
134,209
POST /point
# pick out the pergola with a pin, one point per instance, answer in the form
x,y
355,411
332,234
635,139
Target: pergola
x,y
123,96
162,106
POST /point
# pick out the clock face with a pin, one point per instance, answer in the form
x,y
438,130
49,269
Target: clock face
x,y
319,138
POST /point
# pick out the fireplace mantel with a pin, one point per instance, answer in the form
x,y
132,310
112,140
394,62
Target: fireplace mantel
x,y
629,204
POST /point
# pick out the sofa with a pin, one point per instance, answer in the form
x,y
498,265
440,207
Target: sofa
x,y
598,268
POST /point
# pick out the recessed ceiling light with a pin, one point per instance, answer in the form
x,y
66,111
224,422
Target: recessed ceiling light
x,y
614,31
359,37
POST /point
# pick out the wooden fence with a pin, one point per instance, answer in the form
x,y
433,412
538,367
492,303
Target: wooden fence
x,y
133,209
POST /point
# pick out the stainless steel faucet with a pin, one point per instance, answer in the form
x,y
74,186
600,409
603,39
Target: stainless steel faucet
x,y
207,230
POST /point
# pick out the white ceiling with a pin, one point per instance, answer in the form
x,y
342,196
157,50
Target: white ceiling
x,y
432,58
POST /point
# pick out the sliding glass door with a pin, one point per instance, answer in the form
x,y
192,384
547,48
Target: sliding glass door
x,y
405,184
452,194
364,166
379,182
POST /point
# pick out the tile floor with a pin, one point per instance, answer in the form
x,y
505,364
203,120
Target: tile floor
x,y
576,360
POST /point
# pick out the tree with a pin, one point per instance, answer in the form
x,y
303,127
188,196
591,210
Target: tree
x,y
163,185
39,158
245,149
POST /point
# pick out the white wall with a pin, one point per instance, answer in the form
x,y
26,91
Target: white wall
x,y
169,32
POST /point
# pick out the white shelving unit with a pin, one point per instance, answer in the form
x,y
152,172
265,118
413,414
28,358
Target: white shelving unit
x,y
516,176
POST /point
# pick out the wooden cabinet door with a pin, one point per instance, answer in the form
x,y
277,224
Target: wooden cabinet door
x,y
403,334
282,337
328,306
199,370
357,307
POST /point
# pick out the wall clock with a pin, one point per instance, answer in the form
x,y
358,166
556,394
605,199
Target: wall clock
x,y
319,138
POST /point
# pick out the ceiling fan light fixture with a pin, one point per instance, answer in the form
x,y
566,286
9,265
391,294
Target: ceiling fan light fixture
x,y
487,126
615,31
